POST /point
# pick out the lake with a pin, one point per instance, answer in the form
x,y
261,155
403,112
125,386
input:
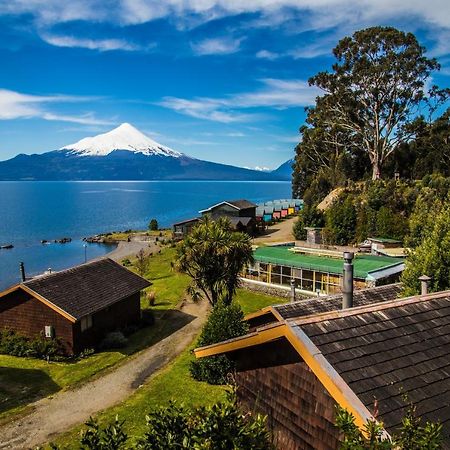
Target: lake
x,y
34,211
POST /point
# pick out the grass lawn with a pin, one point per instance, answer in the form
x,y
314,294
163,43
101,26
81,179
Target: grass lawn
x,y
23,380
252,301
172,382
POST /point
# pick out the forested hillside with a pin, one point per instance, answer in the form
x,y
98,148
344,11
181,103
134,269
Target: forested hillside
x,y
381,131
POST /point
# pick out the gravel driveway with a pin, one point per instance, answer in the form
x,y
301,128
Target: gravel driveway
x,y
53,415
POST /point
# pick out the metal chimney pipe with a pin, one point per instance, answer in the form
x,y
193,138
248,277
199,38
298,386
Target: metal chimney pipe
x,y
22,272
292,290
424,283
347,286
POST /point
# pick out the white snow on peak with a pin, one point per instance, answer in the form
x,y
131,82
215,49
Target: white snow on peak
x,y
124,137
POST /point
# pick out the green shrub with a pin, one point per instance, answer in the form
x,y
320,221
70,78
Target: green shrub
x,y
15,344
115,339
222,426
224,322
411,435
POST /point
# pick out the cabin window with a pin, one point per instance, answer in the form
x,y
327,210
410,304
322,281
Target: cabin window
x,y
86,322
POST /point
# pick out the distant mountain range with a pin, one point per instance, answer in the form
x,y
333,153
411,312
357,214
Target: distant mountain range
x,y
125,154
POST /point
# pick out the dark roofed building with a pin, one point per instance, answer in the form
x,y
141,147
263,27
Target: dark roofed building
x,y
241,213
77,306
183,228
367,359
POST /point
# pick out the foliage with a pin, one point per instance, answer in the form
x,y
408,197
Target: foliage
x,y
115,339
308,217
221,426
374,92
224,322
379,209
214,256
15,344
112,437
432,256
142,262
375,116
428,152
412,435
153,225
341,221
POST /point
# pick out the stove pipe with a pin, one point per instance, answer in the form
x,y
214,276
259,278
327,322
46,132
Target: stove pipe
x,y
347,286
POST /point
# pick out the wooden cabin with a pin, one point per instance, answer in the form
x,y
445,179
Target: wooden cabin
x,y
241,214
77,306
183,228
304,358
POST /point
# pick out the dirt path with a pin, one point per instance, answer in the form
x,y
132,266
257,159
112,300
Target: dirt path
x,y
51,416
127,249
279,232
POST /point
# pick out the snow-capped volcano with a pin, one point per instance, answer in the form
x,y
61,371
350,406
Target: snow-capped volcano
x,y
124,137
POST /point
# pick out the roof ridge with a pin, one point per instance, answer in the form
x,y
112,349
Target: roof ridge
x,y
333,296
340,313
68,269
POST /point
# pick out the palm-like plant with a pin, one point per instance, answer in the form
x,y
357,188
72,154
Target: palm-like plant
x,y
213,255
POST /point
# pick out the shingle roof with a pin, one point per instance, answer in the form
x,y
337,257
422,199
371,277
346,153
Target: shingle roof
x,y
87,288
315,305
395,354
241,204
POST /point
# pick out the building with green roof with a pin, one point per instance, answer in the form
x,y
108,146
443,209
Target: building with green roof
x,y
319,271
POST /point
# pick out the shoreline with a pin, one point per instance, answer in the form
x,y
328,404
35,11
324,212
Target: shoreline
x,y
127,249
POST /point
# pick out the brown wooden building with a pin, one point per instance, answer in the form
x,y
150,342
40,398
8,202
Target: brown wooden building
x,y
77,306
301,360
241,214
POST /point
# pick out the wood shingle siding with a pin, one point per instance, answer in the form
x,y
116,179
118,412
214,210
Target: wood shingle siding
x,y
395,355
21,312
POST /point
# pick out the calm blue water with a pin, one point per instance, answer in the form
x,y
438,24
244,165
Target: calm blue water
x,y
32,211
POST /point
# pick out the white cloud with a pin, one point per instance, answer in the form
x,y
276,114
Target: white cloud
x,y
92,44
321,13
216,46
203,108
343,16
276,94
15,105
266,54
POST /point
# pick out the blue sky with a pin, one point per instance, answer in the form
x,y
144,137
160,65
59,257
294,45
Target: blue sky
x,y
221,80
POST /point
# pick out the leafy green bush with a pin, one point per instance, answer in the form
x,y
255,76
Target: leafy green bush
x,y
15,344
431,257
115,339
412,435
341,221
222,426
224,322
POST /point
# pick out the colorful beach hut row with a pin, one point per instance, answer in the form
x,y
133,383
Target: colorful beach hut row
x,y
275,210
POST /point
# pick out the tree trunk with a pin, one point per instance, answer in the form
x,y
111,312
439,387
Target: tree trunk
x,y
376,173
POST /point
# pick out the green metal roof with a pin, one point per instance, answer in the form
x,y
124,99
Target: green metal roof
x,y
364,265
385,240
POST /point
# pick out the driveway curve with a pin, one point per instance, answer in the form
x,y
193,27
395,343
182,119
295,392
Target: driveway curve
x,y
53,415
